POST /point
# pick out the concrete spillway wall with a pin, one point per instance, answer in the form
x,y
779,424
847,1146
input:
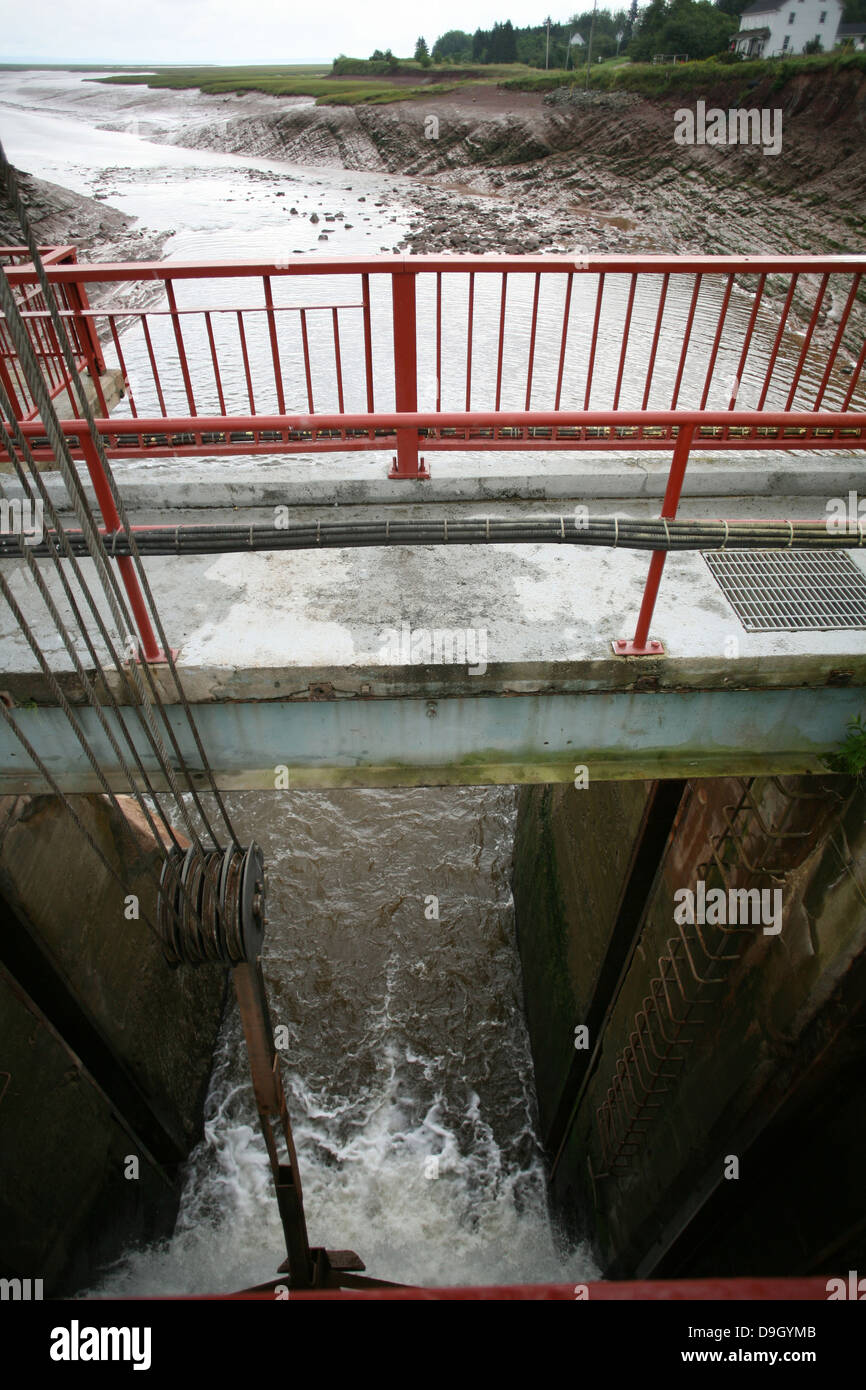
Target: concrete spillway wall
x,y
700,1083
105,1052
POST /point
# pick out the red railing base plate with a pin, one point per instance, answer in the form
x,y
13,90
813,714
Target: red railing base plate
x,y
160,659
626,647
423,471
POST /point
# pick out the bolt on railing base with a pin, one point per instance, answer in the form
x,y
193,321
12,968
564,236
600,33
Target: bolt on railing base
x,y
623,646
422,470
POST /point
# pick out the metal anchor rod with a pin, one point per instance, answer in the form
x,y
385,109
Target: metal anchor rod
x,y
274,1116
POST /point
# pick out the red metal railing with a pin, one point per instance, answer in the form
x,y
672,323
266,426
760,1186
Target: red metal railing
x,y
76,311
442,335
474,353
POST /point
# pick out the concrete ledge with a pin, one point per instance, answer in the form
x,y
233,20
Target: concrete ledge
x,y
300,480
113,391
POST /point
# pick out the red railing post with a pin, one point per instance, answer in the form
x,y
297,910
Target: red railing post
x,y
88,337
151,648
17,404
407,463
641,644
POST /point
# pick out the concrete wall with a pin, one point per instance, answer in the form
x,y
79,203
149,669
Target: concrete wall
x,y
766,1061
571,856
105,1052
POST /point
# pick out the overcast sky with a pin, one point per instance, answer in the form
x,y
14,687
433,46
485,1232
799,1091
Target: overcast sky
x,y
231,31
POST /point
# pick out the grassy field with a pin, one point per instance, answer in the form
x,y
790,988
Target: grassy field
x,y
356,81
295,81
656,80
359,82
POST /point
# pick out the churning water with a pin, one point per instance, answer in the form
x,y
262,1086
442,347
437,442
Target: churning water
x,y
408,1072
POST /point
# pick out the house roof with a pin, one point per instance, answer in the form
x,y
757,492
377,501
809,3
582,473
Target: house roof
x,y
850,30
763,7
753,33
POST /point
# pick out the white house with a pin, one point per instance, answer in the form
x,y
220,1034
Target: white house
x,y
771,27
852,35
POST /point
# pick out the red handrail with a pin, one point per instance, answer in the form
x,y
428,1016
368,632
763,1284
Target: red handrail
x,y
537,352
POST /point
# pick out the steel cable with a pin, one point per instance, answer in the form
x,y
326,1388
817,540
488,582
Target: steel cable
x,y
94,702
76,384
96,550
82,737
60,535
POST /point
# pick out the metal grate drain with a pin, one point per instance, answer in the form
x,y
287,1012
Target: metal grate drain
x,y
790,590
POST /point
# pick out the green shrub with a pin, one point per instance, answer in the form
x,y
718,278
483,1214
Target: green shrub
x,y
851,757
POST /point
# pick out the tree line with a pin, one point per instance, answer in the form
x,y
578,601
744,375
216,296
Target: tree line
x,y
540,45
700,28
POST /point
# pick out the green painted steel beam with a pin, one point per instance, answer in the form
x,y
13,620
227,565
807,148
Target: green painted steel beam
x,y
527,738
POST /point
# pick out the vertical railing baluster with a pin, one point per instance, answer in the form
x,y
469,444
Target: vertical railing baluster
x,y
305,343
624,349
655,342
337,359
407,463
275,349
121,361
849,304
716,341
181,349
750,328
686,339
471,311
215,361
777,341
822,290
438,341
502,299
532,332
246,360
153,367
563,340
855,377
595,322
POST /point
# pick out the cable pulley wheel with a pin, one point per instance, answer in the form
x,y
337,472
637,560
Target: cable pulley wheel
x,y
211,906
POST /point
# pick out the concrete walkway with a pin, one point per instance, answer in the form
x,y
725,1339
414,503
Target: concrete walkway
x,y
490,630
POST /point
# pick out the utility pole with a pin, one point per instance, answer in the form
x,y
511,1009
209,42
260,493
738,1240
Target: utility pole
x,y
589,45
547,46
